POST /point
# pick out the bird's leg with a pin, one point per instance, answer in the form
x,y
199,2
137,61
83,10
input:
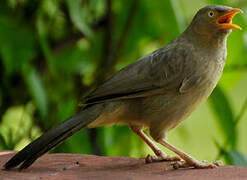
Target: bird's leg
x,y
160,155
188,160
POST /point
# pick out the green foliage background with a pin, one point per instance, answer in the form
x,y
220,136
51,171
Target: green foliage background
x,y
54,52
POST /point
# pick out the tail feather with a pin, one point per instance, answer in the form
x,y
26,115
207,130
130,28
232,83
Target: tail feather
x,y
50,139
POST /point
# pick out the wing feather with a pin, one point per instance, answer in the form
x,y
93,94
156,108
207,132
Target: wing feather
x,y
153,74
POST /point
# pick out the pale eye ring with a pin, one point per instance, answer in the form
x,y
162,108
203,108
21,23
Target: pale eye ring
x,y
211,14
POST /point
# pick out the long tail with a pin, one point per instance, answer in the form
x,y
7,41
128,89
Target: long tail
x,y
53,137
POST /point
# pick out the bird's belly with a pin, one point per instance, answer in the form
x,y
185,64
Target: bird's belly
x,y
117,113
174,109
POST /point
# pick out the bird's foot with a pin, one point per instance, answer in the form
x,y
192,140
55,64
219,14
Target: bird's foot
x,y
161,156
195,164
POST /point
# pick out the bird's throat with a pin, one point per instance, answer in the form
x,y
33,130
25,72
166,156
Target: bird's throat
x,y
209,41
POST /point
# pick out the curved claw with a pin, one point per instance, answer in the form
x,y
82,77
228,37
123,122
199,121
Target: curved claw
x,y
198,165
161,157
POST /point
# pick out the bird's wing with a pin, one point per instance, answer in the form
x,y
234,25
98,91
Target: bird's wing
x,y
153,74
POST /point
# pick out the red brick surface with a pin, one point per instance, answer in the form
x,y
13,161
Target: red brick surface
x,y
75,166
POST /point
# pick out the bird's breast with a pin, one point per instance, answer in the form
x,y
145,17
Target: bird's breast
x,y
172,108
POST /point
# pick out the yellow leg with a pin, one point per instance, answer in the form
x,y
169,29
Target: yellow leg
x,y
188,160
160,155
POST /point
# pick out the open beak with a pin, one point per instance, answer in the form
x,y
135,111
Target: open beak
x,y
225,21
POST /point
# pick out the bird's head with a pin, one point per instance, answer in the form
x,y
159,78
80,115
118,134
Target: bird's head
x,y
214,19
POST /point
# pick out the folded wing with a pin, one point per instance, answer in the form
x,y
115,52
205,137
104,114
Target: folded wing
x,y
151,75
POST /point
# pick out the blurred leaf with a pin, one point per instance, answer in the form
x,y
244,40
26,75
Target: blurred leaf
x,y
229,79
50,7
119,140
43,41
16,44
3,144
178,15
16,125
77,17
1,97
222,149
237,158
12,121
66,109
78,143
217,1
222,110
74,60
236,39
163,26
36,89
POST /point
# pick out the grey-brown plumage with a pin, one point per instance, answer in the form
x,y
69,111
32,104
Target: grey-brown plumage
x,y
156,92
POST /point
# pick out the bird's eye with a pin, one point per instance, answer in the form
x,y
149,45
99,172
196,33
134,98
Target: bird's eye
x,y
211,14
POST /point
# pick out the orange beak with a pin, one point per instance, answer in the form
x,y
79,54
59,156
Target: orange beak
x,y
225,21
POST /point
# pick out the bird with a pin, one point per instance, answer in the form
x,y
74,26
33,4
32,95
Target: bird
x,y
155,93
